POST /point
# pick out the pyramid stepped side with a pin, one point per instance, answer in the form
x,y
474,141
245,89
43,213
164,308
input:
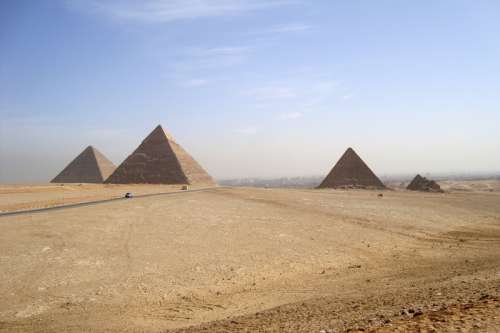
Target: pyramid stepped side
x,y
415,183
195,174
89,167
420,183
159,160
349,171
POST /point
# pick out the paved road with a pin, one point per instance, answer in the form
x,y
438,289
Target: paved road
x,y
92,203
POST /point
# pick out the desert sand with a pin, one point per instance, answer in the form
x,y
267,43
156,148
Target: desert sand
x,y
25,197
249,259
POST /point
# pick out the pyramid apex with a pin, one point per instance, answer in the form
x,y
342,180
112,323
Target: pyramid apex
x,y
159,128
350,152
89,149
418,176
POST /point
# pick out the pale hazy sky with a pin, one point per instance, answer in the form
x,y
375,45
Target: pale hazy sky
x,y
252,87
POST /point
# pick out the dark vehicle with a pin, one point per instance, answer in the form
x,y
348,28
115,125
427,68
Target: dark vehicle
x,y
128,195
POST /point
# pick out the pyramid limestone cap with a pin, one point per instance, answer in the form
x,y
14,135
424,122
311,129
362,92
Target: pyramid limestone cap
x,y
159,131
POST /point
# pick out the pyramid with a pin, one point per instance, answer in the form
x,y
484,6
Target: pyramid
x,y
89,167
159,159
420,183
351,171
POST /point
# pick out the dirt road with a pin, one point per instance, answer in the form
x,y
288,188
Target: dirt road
x,y
255,260
25,197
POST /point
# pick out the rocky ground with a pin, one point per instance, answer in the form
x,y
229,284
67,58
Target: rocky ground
x,y
256,260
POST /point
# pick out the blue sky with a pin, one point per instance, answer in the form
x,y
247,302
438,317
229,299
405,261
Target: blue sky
x,y
252,88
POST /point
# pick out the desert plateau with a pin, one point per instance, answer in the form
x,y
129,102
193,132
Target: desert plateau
x,y
250,260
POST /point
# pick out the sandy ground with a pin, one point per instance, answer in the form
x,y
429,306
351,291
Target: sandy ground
x,y
22,197
245,260
485,185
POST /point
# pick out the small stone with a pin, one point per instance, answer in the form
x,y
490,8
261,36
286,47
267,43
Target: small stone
x,y
418,313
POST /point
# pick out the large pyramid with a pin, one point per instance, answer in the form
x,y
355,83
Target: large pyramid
x,y
160,160
351,171
89,167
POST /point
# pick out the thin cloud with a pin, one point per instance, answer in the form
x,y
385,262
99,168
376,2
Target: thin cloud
x,y
215,57
219,51
306,91
291,115
193,83
285,28
270,93
289,28
348,96
173,10
246,130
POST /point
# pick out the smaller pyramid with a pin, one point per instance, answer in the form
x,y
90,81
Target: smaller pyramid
x,y
351,172
159,159
423,184
91,166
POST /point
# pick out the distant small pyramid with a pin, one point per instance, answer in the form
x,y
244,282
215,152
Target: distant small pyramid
x,y
351,171
160,160
89,167
420,183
